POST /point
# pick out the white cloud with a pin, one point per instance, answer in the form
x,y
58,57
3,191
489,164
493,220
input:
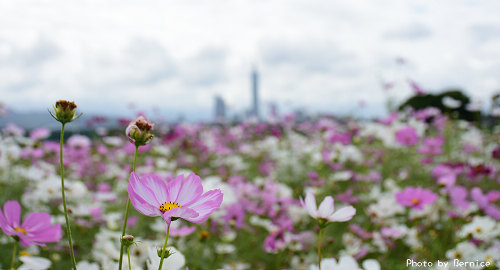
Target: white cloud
x,y
318,55
412,32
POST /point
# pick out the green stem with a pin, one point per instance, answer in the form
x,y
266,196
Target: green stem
x,y
128,253
68,228
214,262
14,253
319,249
135,158
280,259
164,248
126,212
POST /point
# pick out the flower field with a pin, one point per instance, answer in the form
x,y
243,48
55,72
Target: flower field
x,y
414,189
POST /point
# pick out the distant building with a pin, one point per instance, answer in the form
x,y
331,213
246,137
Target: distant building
x,y
255,94
273,110
220,109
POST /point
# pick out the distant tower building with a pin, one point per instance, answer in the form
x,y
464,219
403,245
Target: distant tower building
x,y
220,109
273,107
255,94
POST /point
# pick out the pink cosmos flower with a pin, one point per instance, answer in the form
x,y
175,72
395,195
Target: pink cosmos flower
x,y
13,130
485,204
496,153
458,197
360,232
79,142
337,137
35,230
416,197
407,136
426,113
389,119
39,134
432,146
180,198
391,232
347,197
447,180
326,210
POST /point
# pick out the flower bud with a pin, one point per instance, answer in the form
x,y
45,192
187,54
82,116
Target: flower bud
x,y
139,131
127,240
167,252
65,111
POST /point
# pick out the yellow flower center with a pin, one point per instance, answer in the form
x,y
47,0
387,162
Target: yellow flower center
x,y
20,230
24,253
414,201
478,229
168,205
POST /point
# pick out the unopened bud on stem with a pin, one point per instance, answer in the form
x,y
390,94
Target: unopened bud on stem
x,y
167,252
65,111
139,131
127,240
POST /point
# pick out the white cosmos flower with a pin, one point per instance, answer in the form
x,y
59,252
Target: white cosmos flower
x,y
34,263
482,228
463,251
326,210
371,264
87,265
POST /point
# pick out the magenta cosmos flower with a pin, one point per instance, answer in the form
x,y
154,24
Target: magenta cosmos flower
x,y
326,210
180,198
416,197
407,136
35,230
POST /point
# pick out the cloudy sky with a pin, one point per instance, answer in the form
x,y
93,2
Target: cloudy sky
x,y
175,56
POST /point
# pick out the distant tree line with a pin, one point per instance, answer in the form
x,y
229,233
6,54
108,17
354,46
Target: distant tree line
x,y
459,109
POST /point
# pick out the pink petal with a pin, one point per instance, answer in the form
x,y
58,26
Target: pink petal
x,y
211,195
206,205
343,214
447,180
181,212
141,205
190,190
157,186
174,188
4,224
36,221
26,241
51,234
12,211
128,130
310,204
141,190
400,198
326,207
205,211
